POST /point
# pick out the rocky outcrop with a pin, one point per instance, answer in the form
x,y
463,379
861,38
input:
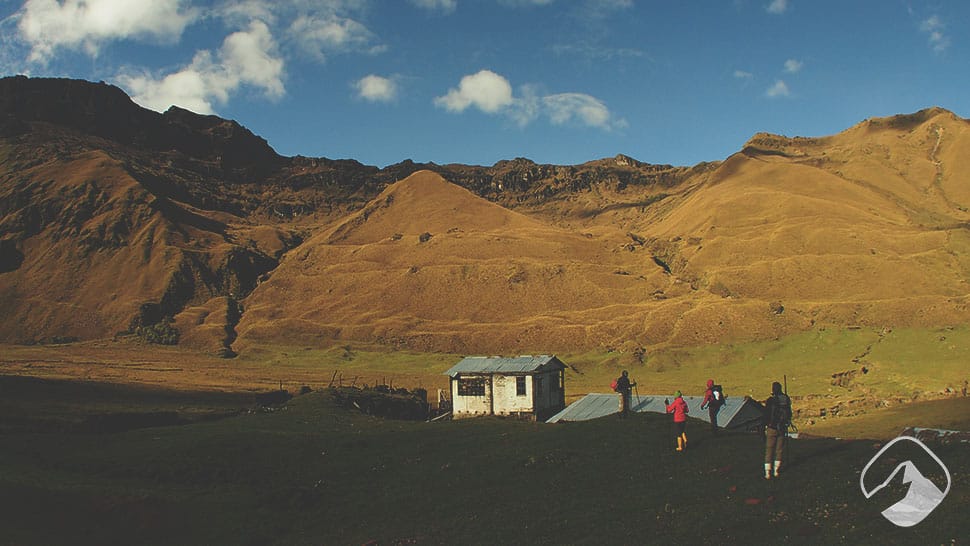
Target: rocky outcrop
x,y
105,111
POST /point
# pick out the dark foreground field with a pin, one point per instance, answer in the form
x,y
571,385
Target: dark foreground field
x,y
316,473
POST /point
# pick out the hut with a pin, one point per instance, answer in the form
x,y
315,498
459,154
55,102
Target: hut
x,y
530,387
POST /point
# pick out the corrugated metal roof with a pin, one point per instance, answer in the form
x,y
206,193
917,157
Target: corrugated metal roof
x,y
594,406
497,364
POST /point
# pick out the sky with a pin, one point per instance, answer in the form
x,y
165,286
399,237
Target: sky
x,y
479,81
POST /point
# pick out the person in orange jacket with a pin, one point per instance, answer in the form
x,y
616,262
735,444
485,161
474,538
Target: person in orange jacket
x,y
680,410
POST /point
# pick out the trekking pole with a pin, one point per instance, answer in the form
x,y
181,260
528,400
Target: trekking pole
x,y
637,389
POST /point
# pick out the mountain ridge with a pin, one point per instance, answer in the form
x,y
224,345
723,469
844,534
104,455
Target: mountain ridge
x,y
201,221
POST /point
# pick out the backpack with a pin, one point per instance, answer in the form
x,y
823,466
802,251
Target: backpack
x,y
615,385
718,393
780,418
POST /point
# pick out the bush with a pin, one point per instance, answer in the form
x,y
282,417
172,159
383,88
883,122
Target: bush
x,y
161,333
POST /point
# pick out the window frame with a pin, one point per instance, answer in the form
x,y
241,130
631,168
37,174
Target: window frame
x,y
471,386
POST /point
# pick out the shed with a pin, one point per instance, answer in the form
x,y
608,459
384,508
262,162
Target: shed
x,y
526,386
738,413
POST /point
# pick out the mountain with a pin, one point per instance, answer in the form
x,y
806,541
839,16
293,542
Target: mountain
x,y
430,265
115,219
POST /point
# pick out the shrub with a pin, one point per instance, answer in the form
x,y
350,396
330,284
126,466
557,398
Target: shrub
x,y
161,333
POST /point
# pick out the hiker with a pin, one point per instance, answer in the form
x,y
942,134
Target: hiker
x,y
680,410
713,400
777,420
623,386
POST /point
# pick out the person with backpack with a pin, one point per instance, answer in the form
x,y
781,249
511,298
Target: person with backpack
x,y
713,400
777,420
623,386
680,410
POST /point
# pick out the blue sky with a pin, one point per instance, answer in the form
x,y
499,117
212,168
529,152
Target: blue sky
x,y
478,81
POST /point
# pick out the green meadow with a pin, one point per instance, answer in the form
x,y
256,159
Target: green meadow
x,y
902,365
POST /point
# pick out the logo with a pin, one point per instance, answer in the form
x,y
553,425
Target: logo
x,y
922,497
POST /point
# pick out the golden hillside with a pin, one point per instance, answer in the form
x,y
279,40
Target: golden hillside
x,y
868,227
429,264
114,217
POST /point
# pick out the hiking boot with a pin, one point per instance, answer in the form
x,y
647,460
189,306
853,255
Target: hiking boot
x,y
768,471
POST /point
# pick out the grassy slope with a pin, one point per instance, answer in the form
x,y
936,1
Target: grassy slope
x,y
316,474
902,363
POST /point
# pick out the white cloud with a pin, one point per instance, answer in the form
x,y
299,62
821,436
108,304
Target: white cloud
x,y
577,107
445,6
189,88
743,75
321,35
49,25
484,90
591,11
246,58
608,5
251,57
779,89
239,13
492,93
376,88
525,3
793,66
595,52
933,28
777,7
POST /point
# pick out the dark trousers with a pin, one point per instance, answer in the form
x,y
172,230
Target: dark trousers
x,y
712,411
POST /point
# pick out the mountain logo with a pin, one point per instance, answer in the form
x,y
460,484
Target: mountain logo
x,y
922,497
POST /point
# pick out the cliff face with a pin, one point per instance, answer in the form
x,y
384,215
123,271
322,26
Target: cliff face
x,y
114,219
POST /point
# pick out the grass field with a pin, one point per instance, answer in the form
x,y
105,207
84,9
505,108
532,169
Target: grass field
x,y
902,365
117,443
314,473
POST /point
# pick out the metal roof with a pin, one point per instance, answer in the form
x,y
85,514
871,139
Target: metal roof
x,y
736,412
498,364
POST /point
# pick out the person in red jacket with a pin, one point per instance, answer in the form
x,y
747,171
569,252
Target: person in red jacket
x,y
713,400
680,410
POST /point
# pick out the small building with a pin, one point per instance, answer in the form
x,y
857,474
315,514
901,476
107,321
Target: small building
x,y
530,387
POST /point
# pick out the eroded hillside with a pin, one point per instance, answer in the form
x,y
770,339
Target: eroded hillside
x,y
113,217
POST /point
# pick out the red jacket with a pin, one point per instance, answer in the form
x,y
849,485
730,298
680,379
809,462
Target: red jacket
x,y
708,398
708,394
679,408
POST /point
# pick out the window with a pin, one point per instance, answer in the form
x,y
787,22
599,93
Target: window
x,y
471,386
520,386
